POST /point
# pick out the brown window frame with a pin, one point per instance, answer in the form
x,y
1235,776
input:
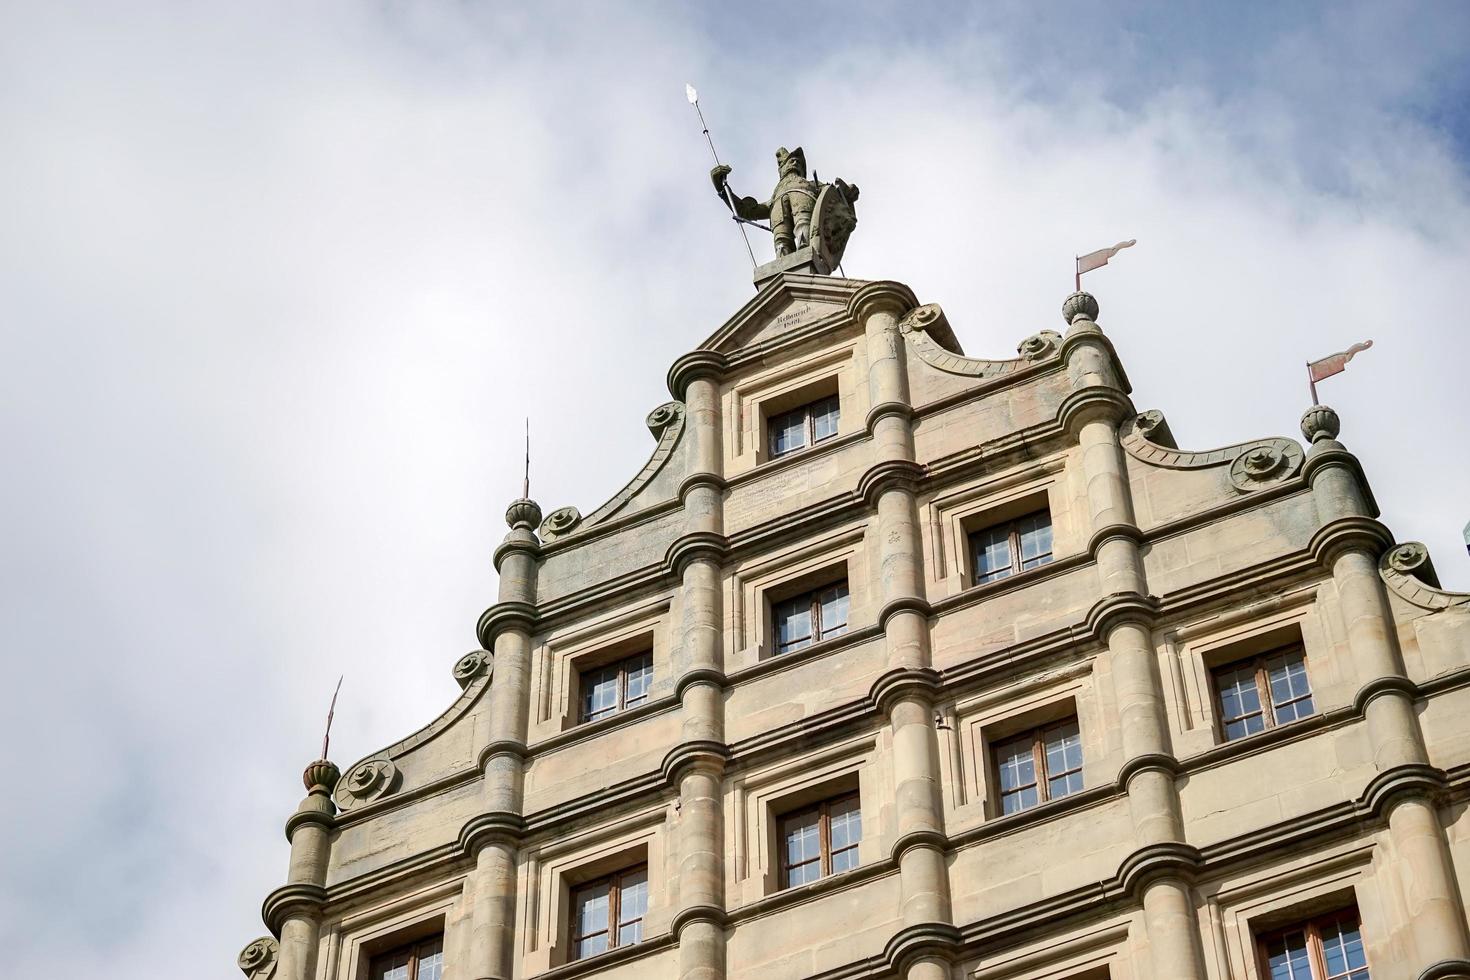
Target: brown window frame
x,y
614,909
823,811
814,601
1037,736
1257,663
414,950
622,665
809,417
1316,957
1013,536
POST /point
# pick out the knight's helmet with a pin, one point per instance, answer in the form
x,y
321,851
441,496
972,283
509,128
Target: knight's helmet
x,y
796,156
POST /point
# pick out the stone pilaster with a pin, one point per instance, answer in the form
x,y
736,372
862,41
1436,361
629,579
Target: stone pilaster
x,y
493,837
1406,788
696,766
924,948
293,912
1159,870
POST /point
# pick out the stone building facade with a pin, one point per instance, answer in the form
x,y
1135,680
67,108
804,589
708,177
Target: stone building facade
x,y
895,662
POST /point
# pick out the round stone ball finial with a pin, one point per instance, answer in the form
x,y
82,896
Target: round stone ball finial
x,y
321,774
1320,422
1079,306
523,513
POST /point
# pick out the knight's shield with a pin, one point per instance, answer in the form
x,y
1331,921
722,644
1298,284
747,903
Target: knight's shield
x,y
833,220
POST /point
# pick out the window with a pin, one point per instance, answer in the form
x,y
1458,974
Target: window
x,y
804,426
616,687
1326,948
820,841
1265,691
811,616
422,960
1043,764
609,912
1015,546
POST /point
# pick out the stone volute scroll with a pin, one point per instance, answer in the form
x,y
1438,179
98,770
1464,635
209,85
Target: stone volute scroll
x,y
258,959
365,782
1252,465
809,219
928,334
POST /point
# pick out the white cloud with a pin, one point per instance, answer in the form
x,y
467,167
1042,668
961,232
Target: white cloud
x,y
278,284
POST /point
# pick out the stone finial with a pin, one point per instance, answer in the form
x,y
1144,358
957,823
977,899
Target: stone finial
x,y
321,775
523,513
1079,306
1320,422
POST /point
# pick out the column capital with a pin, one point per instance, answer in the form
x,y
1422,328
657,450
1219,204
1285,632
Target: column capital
x,y
702,754
695,364
1393,786
495,827
695,546
1333,539
924,940
291,900
1092,404
891,474
501,617
921,683
1112,611
883,296
1154,861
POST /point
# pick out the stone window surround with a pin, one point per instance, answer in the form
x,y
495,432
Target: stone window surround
x,y
755,587
1099,952
551,871
955,515
969,730
562,658
361,936
1191,655
751,402
1238,914
759,798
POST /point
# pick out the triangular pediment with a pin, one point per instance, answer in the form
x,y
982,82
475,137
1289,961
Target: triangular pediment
x,y
787,305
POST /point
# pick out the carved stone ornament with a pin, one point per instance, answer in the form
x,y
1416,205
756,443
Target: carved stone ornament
x,y
921,318
1320,422
1039,345
367,781
559,521
523,513
1258,466
470,666
1409,558
664,416
258,960
1149,423
1079,306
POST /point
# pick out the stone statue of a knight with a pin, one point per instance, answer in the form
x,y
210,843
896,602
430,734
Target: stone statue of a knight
x,y
803,213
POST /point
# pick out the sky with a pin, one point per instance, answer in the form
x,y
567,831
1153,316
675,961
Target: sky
x,y
280,282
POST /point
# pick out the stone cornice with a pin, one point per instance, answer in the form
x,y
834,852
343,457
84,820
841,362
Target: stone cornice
x,y
1393,786
1155,861
696,481
321,818
1093,403
504,616
500,746
699,754
1148,762
1112,611
712,914
712,676
883,295
895,685
1129,532
1381,686
891,474
695,546
1349,534
923,941
512,546
495,827
1446,970
902,604
881,410
289,901
930,838
695,364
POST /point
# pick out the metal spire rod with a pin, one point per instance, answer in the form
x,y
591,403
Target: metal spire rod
x,y
693,98
327,736
526,482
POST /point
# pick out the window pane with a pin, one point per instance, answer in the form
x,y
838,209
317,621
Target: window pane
x,y
1342,948
1035,534
803,839
834,610
788,432
1063,760
846,824
599,693
591,910
632,906
391,967
1291,694
592,945
431,961
824,418
1016,766
992,554
793,624
639,671
1287,957
1240,702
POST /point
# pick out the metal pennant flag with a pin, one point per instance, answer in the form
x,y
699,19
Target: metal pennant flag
x,y
1326,367
1098,259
